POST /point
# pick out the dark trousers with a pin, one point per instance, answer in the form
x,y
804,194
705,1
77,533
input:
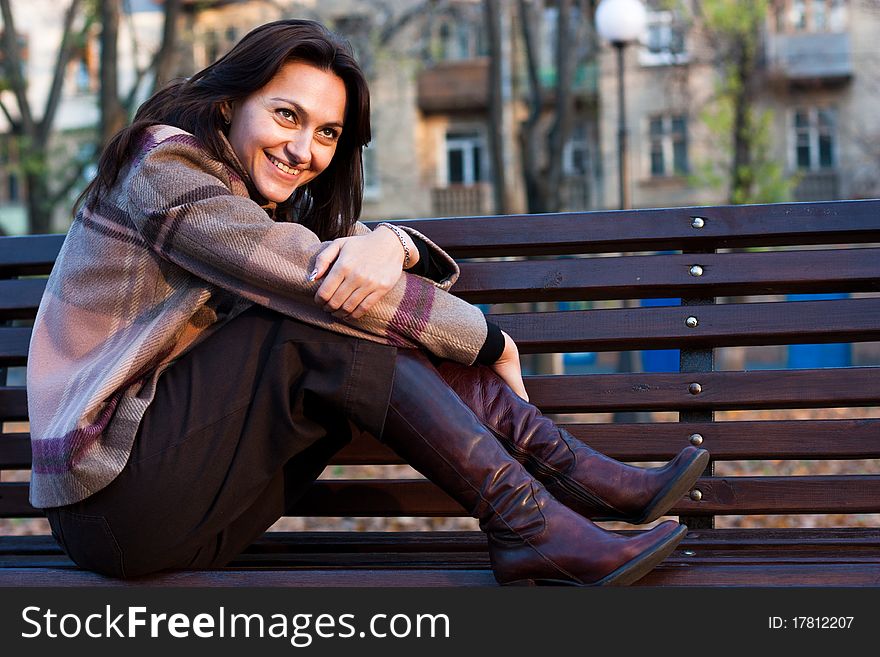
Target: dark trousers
x,y
240,426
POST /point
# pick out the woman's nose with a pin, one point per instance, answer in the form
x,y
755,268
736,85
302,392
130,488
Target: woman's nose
x,y
299,147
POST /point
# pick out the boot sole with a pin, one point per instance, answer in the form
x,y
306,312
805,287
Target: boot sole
x,y
632,571
667,497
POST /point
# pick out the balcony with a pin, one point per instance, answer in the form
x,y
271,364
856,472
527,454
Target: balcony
x,y
818,186
812,58
454,86
461,200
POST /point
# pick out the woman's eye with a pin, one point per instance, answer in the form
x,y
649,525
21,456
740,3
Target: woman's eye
x,y
285,113
330,133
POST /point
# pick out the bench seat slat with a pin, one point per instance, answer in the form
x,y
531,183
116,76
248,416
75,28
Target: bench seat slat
x,y
643,276
405,497
726,441
788,557
838,222
768,574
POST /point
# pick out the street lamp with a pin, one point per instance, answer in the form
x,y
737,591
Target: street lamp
x,y
621,22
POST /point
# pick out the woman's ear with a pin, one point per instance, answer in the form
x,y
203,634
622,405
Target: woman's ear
x,y
226,112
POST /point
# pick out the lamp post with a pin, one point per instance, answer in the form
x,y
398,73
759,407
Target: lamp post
x,y
621,22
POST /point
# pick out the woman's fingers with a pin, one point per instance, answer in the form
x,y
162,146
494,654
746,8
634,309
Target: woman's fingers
x,y
325,259
368,302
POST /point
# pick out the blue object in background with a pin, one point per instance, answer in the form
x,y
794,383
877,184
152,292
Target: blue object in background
x,y
660,360
808,356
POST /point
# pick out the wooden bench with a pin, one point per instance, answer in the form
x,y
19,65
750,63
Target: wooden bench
x,y
731,267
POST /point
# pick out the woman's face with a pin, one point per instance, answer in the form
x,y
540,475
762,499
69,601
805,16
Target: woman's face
x,y
286,133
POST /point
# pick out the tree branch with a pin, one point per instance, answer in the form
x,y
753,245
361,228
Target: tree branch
x,y
58,196
13,123
13,68
64,54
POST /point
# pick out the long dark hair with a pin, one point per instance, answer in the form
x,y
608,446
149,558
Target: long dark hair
x,y
331,203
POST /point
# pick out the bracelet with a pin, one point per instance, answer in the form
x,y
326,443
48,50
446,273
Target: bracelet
x,y
399,234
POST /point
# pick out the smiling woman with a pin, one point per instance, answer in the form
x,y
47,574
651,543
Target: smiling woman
x,y
218,318
285,143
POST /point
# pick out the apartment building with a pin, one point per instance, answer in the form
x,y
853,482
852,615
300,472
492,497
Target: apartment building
x,y
817,78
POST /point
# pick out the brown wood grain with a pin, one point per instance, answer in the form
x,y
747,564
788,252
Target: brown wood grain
x,y
404,497
644,276
726,441
835,222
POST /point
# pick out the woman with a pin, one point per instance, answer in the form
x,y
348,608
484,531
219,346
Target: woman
x,y
217,316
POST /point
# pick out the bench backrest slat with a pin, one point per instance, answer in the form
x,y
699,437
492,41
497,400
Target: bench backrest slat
x,y
814,388
833,320
837,222
721,495
728,441
639,277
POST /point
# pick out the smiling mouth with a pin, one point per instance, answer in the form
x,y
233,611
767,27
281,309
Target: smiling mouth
x,y
282,166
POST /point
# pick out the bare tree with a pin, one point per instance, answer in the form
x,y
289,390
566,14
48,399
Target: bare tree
x,y
542,147
44,189
35,132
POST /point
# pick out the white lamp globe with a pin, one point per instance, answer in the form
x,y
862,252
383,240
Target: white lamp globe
x,y
621,21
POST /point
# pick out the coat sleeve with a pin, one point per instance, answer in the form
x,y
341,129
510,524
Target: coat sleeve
x,y
448,266
182,204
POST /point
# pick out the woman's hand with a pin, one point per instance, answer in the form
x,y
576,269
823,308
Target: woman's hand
x,y
359,271
508,367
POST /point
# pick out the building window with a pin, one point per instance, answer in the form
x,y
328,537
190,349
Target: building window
x,y
814,138
811,16
372,189
459,40
668,145
576,154
665,40
465,158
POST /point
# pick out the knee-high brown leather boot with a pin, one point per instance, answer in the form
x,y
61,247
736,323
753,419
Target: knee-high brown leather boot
x,y
583,479
532,537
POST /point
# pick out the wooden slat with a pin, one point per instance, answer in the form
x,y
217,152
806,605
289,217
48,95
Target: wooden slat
x,y
29,254
15,451
830,387
645,391
14,344
842,320
835,222
730,441
639,277
19,298
772,495
711,543
726,441
721,495
726,557
765,574
13,403
231,577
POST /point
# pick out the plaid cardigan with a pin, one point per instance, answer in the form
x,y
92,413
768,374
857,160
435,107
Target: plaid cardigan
x,y
176,248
